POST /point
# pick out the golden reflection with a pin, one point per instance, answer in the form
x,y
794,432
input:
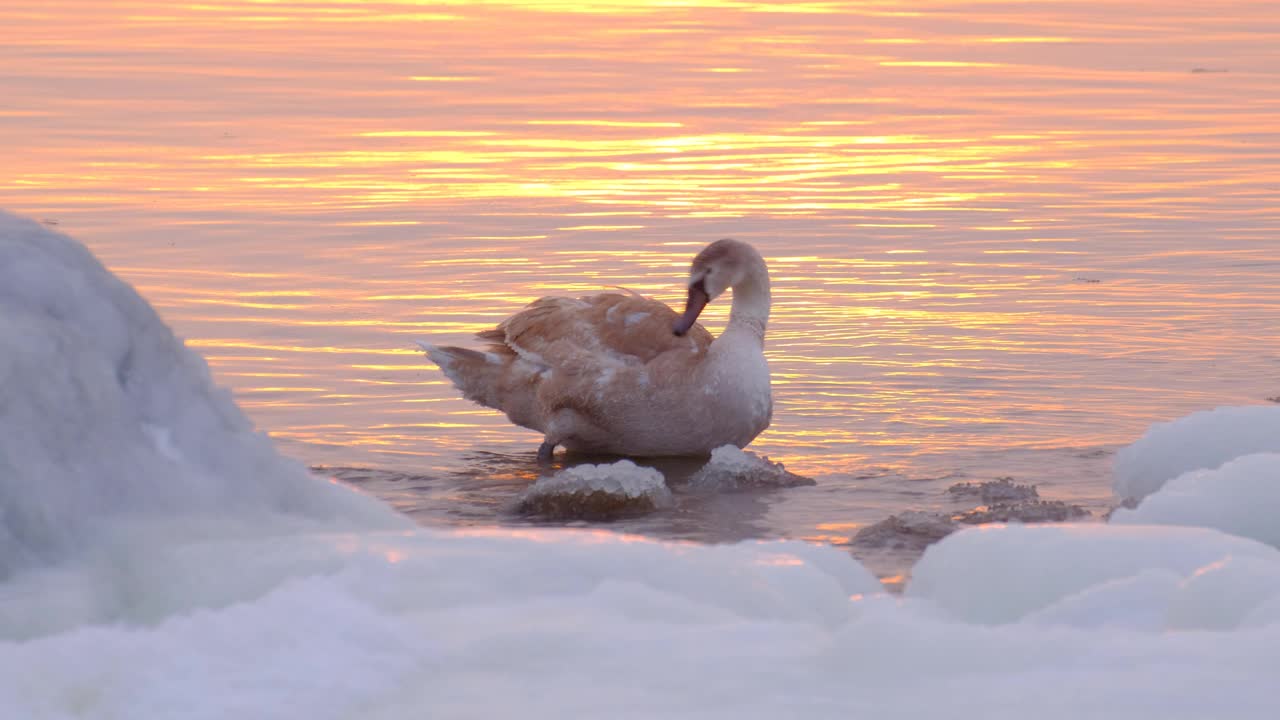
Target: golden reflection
x,y
938,64
445,78
968,211
606,123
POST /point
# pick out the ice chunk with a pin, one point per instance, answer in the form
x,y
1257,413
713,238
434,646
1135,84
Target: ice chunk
x,y
1242,498
1223,595
1001,573
596,492
1231,592
107,418
731,468
1133,602
1202,440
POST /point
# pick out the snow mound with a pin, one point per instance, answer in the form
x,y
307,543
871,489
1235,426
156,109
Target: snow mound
x,y
732,468
596,492
1084,574
1202,440
107,419
1241,497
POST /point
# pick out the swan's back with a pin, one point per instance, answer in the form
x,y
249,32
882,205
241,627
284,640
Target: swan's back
x,y
558,332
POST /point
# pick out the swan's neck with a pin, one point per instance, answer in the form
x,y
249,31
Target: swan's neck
x,y
749,314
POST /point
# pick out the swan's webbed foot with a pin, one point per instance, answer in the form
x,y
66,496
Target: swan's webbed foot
x,y
545,451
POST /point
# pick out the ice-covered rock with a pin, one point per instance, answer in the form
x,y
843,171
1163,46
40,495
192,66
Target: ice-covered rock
x,y
1005,501
1027,511
912,530
1242,497
1202,440
731,468
1000,490
596,492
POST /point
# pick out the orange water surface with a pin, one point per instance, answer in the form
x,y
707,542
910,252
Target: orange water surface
x,y
1004,237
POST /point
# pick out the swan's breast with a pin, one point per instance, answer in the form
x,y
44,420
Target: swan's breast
x,y
739,393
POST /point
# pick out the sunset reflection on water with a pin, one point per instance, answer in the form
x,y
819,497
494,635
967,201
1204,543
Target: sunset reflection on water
x,y
1003,238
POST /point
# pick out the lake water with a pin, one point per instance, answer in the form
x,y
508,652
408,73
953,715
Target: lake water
x,y
1004,238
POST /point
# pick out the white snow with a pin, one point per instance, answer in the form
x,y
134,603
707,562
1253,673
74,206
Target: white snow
x,y
1241,497
105,416
159,560
1202,440
1005,574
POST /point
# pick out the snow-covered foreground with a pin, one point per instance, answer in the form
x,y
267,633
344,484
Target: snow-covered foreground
x,y
159,560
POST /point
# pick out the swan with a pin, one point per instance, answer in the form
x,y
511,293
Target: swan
x,y
623,374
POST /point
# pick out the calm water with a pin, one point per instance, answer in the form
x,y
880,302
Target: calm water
x,y
1004,237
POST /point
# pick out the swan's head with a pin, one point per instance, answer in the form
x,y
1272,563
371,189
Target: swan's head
x,y
721,265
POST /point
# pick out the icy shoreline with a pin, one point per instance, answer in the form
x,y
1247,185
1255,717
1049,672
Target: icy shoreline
x,y
160,560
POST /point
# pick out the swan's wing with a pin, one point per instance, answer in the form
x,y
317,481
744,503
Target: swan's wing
x,y
602,330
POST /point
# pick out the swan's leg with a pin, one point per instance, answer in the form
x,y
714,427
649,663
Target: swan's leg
x,y
545,451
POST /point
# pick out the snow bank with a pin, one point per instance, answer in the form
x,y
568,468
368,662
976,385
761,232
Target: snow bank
x,y
106,418
552,624
1242,497
596,492
731,468
1202,440
160,561
1082,574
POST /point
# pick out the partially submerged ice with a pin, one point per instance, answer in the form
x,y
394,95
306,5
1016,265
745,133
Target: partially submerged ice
x,y
596,492
731,468
1003,501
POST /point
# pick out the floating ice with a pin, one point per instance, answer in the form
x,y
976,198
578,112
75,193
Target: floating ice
x,y
596,492
731,468
1242,498
1202,440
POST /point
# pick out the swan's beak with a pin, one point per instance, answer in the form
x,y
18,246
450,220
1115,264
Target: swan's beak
x,y
698,299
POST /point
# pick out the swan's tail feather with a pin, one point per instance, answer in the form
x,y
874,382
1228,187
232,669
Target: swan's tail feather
x,y
496,378
479,375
